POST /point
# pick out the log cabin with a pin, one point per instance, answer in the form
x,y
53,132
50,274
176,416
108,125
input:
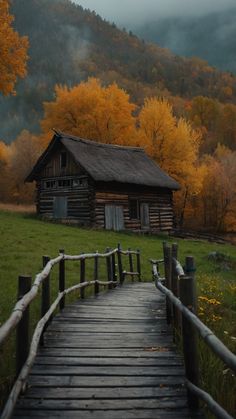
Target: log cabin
x,y
102,185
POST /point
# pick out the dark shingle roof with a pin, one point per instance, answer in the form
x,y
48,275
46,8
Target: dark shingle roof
x,y
110,163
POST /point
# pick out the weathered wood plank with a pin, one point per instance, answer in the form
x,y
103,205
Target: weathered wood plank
x,y
147,371
176,402
77,361
105,393
100,381
104,328
108,414
104,344
155,352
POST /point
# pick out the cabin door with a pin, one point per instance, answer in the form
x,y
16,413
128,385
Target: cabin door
x,y
114,217
60,207
144,216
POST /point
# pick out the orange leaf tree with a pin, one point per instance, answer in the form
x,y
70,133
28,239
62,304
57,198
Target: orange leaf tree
x,y
4,155
219,190
23,154
13,51
174,145
91,111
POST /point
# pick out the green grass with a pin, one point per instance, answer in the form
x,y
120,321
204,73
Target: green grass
x,y
25,239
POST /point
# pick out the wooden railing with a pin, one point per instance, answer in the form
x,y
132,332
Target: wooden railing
x,y
19,318
179,286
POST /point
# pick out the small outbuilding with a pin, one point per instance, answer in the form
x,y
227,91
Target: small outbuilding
x,y
102,185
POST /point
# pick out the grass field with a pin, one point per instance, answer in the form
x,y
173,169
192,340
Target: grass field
x,y
25,239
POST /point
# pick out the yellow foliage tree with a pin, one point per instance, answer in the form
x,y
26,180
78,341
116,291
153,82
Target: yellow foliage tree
x,y
174,145
218,194
13,51
91,111
23,154
4,154
227,126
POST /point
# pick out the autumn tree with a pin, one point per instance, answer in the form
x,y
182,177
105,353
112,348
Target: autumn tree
x,y
13,51
23,154
91,111
204,113
227,126
174,145
218,194
4,155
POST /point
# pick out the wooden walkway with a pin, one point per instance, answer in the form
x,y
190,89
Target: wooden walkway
x,y
109,357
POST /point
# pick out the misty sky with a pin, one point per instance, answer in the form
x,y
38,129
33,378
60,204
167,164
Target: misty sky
x,y
136,11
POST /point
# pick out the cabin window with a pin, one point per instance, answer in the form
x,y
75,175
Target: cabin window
x,y
49,184
76,182
65,183
80,182
63,160
134,212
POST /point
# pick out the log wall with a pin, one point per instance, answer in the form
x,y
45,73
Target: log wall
x,y
86,202
160,208
79,196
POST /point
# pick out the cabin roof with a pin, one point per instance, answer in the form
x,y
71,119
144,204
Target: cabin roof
x,y
108,163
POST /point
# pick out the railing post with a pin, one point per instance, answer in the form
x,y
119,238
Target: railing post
x,y
96,285
138,265
113,265
45,301
190,270
167,253
131,266
109,272
189,334
22,330
82,276
175,288
62,279
120,269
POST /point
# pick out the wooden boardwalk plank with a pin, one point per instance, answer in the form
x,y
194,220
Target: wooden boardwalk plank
x,y
110,356
108,414
93,361
99,381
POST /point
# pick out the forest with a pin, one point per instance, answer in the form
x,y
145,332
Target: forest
x,y
88,78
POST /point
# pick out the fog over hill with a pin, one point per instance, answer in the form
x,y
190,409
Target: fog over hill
x,y
211,37
137,11
203,28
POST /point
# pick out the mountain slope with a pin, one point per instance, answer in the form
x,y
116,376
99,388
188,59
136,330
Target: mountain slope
x,y
68,44
211,36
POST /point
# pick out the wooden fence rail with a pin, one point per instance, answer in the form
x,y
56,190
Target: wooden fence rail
x,y
179,286
19,318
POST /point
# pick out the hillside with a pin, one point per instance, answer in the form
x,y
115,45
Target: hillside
x,y
69,44
214,42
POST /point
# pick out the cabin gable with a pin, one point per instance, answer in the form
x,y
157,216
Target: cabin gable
x,y
61,163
